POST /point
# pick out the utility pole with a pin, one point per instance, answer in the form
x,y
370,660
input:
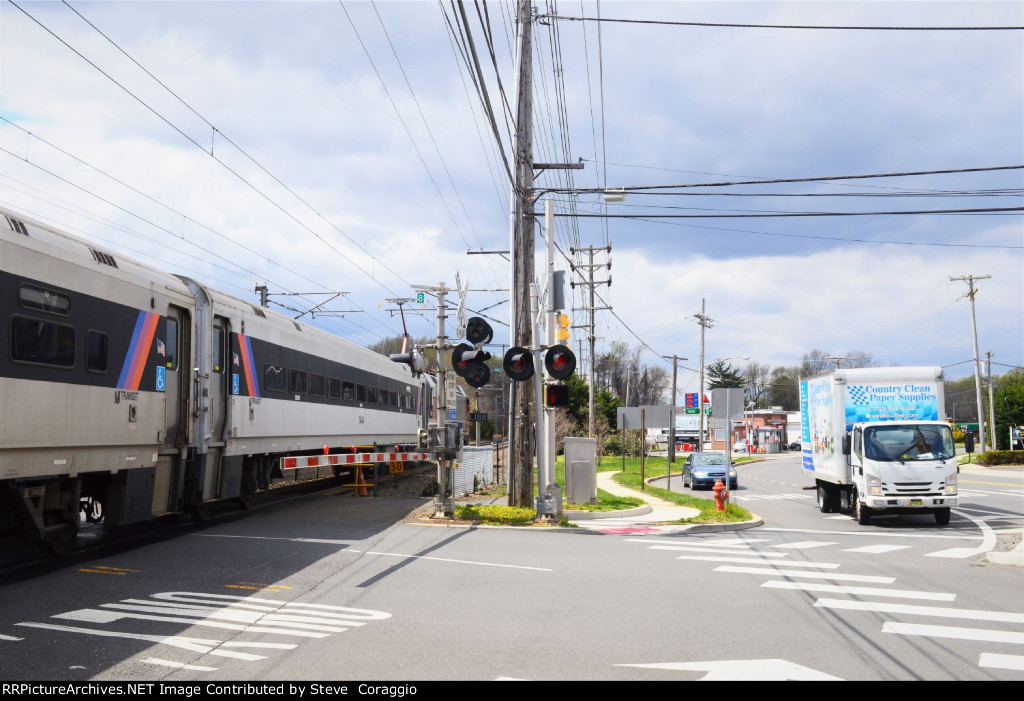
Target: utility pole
x,y
520,488
705,323
991,405
591,283
837,359
969,279
672,417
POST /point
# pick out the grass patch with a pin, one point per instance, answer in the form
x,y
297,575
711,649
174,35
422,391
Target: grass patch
x,y
655,467
607,502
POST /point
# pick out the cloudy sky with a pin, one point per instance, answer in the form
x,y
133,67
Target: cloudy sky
x,y
344,147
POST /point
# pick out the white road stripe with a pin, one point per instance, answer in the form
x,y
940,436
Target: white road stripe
x,y
805,544
869,532
293,629
876,549
268,646
911,609
861,591
988,541
689,540
200,645
991,659
462,562
756,561
687,549
10,637
990,636
178,665
809,575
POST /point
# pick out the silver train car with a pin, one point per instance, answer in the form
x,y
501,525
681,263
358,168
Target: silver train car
x,y
153,394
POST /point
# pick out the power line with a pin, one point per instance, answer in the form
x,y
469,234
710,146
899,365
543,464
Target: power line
x,y
979,210
762,181
777,26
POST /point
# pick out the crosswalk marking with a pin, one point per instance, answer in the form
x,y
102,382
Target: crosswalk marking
x,y
756,561
991,659
808,575
771,497
876,549
178,665
805,544
860,591
732,542
991,636
685,548
914,610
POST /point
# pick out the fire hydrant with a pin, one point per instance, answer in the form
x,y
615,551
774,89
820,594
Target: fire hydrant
x,y
721,494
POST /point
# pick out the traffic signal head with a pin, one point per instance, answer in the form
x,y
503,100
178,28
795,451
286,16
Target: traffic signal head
x,y
560,362
518,363
556,395
478,331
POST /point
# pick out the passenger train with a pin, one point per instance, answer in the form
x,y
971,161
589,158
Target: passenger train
x,y
153,394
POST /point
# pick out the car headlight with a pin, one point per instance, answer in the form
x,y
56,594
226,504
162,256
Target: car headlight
x,y
700,473
732,473
951,484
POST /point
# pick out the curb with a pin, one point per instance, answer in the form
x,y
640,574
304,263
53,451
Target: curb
x,y
591,515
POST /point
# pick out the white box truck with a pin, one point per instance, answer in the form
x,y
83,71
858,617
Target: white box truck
x,y
877,443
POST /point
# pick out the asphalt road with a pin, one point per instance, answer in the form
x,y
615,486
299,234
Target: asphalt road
x,y
336,587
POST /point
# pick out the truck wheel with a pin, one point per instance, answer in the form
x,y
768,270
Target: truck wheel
x,y
860,512
942,517
824,500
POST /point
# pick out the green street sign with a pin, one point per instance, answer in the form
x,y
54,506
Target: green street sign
x,y
692,410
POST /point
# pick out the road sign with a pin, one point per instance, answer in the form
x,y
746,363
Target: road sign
x,y
691,410
449,388
478,416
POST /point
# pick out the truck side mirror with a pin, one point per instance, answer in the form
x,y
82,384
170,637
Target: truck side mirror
x,y
969,442
846,444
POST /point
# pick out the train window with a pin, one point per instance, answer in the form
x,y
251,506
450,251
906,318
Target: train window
x,y
296,381
360,393
393,398
371,395
171,350
44,342
348,391
273,378
316,385
218,349
32,297
333,388
96,352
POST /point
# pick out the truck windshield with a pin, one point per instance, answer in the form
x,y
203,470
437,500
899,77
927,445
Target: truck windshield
x,y
906,443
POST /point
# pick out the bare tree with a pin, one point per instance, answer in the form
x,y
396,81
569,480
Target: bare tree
x,y
757,377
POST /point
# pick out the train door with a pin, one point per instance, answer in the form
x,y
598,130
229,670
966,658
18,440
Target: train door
x,y
173,377
216,401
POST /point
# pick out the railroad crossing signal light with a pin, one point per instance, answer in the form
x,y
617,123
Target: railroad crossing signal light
x,y
518,363
415,360
478,331
562,332
556,395
560,362
478,375
465,356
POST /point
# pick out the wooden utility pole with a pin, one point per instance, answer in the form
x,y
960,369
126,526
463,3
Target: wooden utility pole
x,y
705,322
520,488
969,279
591,283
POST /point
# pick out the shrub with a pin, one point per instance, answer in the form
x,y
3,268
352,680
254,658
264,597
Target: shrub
x,y
1001,457
958,435
494,514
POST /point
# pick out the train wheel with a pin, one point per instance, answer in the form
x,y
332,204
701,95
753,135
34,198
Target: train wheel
x,y
202,512
61,540
93,510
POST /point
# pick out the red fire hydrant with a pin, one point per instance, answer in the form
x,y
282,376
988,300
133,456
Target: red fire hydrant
x,y
720,496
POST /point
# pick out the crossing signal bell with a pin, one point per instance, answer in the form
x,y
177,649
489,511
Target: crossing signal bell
x,y
518,363
560,362
556,395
